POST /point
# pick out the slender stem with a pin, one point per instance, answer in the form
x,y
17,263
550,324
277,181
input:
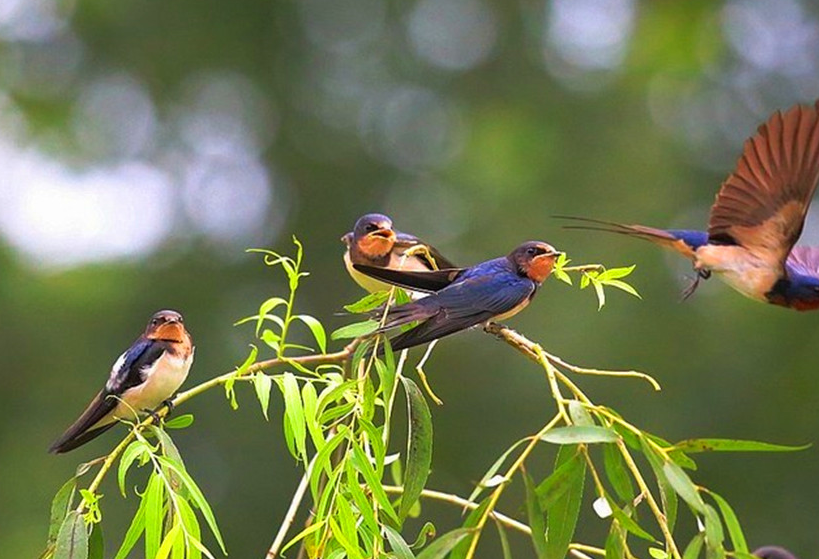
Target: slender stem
x,y
493,499
464,503
290,516
584,268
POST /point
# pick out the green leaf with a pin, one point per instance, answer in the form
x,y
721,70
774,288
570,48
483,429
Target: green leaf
x,y
668,494
310,401
191,526
601,294
368,303
561,516
365,506
536,516
60,507
96,543
692,550
294,411
72,538
198,499
154,508
615,542
579,414
657,553
134,450
399,547
265,309
230,393
472,519
732,523
363,465
170,538
733,445
444,544
617,473
575,434
623,286
179,422
350,547
263,383
419,446
355,330
629,523
615,273
504,541
714,536
683,485
559,481
493,469
427,531
322,459
134,531
316,328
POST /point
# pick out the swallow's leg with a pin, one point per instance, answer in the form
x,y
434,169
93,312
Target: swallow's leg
x,y
168,403
419,368
702,274
495,328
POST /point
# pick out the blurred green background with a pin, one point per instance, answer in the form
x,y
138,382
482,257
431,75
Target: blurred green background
x,y
144,145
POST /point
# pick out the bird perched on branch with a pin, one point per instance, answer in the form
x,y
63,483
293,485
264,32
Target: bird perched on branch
x,y
463,297
373,242
143,378
757,217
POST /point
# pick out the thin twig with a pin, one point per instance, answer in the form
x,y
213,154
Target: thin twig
x,y
290,516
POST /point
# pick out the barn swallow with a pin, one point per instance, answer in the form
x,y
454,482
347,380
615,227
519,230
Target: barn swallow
x,y
773,552
374,242
145,376
757,217
463,297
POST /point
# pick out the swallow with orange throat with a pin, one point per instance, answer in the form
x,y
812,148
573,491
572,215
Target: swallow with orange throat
x,y
374,242
756,219
460,298
142,379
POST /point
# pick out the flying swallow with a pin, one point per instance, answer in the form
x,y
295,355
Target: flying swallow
x,y
374,242
757,217
145,376
463,297
773,552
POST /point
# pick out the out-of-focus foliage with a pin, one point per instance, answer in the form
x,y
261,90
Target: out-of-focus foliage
x,y
144,145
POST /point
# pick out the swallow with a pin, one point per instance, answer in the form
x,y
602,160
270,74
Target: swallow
x,y
373,242
773,552
756,219
145,376
459,298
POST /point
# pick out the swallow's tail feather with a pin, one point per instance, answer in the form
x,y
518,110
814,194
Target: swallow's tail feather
x,y
436,327
682,241
81,430
429,282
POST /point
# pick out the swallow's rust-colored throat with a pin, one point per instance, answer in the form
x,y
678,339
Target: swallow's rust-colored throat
x,y
541,267
169,332
378,243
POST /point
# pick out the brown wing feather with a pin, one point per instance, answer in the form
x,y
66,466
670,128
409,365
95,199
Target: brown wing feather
x,y
763,203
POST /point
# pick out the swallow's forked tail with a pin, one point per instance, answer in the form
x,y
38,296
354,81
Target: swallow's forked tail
x,y
682,241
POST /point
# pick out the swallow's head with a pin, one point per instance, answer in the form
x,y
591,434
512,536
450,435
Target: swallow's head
x,y
166,326
535,260
373,235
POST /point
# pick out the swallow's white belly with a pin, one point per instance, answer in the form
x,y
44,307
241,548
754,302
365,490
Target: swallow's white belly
x,y
162,380
373,285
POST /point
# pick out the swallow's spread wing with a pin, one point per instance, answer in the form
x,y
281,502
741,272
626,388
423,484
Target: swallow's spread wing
x,y
406,241
125,374
429,282
804,260
462,305
762,205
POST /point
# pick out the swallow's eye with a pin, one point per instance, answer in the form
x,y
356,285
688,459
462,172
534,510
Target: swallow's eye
x,y
155,322
370,227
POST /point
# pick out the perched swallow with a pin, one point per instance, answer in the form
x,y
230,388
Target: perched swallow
x,y
374,242
463,297
143,377
773,552
757,217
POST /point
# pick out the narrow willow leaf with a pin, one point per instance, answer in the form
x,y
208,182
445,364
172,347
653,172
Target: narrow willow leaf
x,y
444,544
559,481
399,547
732,523
493,469
365,506
692,550
427,531
191,526
386,376
629,523
346,520
363,465
355,330
310,401
714,536
134,531
315,527
575,434
134,450
96,543
72,538
295,412
316,328
265,309
374,437
615,547
460,551
579,414
179,422
230,393
536,516
60,507
683,485
167,544
734,445
601,294
419,446
263,383
154,506
657,553
617,473
504,541
623,286
322,460
368,302
349,547
198,499
561,516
